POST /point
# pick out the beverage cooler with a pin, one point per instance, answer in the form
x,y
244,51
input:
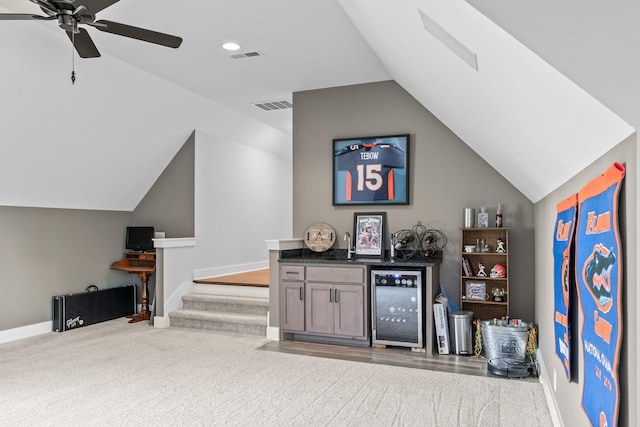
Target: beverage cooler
x,y
397,308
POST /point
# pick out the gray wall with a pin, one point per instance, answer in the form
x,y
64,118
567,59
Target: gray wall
x,y
569,395
169,205
446,176
47,252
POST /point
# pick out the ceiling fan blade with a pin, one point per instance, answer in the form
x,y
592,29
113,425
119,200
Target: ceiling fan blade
x,y
96,6
83,44
18,16
139,33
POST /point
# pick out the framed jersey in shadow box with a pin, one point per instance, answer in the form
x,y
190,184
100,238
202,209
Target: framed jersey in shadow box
x,y
371,170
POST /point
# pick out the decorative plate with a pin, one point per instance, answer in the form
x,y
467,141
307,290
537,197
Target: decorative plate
x,y
319,237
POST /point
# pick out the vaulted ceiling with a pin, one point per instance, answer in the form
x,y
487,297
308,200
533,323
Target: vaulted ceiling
x,y
539,93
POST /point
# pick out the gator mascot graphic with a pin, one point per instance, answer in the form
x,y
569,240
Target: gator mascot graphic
x,y
597,276
599,282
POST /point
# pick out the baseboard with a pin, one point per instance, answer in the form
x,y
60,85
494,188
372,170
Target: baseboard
x,y
273,333
548,393
161,322
22,332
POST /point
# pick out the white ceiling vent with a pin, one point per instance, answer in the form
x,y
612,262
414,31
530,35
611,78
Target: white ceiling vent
x,y
453,44
274,105
253,54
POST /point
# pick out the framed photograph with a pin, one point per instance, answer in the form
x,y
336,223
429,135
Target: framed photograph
x,y
368,231
371,170
476,290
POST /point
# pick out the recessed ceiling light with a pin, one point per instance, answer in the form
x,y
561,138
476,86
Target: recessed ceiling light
x,y
231,46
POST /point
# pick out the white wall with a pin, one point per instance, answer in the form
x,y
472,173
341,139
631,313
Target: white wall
x,y
243,196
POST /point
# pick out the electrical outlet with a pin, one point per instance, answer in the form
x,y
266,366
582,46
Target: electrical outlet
x,y
555,381
264,253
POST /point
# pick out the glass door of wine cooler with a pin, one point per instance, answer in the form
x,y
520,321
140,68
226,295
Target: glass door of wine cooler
x,y
397,308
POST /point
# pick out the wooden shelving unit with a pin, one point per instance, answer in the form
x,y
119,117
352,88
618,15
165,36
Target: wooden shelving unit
x,y
483,303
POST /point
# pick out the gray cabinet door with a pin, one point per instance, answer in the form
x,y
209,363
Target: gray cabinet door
x,y
292,307
319,308
335,309
349,310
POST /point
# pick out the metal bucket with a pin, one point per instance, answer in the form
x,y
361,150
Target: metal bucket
x,y
504,341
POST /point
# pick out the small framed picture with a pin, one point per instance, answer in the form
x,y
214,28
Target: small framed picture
x,y
476,290
368,231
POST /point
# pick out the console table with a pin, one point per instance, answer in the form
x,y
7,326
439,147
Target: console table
x,y
143,265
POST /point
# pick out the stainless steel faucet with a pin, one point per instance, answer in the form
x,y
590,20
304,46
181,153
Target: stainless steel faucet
x,y
347,238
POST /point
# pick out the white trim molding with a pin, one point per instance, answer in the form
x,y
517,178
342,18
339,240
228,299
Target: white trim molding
x,y
161,322
178,242
549,394
273,333
284,244
27,331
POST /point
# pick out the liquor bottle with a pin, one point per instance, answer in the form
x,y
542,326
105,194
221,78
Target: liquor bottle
x,y
499,216
483,217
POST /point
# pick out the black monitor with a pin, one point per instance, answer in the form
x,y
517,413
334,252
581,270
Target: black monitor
x,y
140,238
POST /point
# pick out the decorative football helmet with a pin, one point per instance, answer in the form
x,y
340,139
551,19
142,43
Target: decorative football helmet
x,y
498,270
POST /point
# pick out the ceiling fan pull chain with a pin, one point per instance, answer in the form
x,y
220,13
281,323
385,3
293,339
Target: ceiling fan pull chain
x,y
73,58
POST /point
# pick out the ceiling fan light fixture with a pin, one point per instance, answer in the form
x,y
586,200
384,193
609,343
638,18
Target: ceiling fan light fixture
x,y
230,46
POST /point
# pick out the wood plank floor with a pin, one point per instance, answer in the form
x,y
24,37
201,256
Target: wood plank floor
x,y
257,278
394,356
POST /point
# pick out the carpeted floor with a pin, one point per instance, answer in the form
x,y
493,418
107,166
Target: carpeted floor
x,y
121,374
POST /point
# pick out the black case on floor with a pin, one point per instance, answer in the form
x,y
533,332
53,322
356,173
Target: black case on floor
x,y
72,311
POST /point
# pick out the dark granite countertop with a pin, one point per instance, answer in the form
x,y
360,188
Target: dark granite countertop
x,y
339,256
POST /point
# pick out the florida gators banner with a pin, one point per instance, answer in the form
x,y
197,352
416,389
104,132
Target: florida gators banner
x,y
599,285
564,278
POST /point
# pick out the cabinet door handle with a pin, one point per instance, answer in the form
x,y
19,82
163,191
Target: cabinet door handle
x,y
301,293
330,295
335,296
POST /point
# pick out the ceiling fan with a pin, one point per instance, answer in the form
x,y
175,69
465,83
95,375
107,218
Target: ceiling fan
x,y
72,13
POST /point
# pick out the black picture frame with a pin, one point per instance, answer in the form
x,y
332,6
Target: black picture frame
x,y
372,170
369,229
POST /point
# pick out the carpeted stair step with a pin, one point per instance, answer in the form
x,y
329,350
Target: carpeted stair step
x,y
249,324
226,304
